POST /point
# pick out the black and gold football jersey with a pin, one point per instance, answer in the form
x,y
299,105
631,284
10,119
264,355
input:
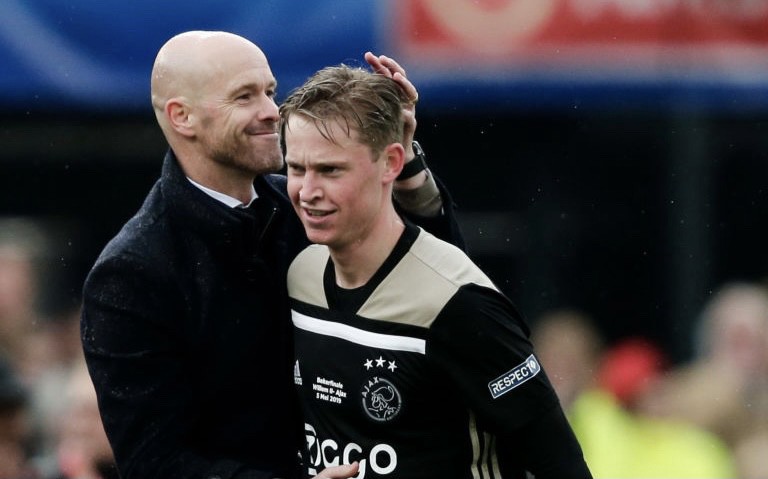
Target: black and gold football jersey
x,y
420,373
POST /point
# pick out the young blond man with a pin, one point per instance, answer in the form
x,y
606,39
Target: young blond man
x,y
409,361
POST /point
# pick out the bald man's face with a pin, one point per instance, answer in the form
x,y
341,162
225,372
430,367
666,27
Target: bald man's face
x,y
237,111
227,85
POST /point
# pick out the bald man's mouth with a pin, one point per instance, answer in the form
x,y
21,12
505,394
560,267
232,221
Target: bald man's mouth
x,y
262,129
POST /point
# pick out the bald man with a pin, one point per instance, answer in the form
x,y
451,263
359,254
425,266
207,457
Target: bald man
x,y
185,323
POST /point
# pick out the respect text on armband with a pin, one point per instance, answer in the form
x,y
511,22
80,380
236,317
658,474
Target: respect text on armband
x,y
514,377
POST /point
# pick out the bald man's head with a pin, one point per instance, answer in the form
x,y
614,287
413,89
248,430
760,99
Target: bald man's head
x,y
191,63
213,95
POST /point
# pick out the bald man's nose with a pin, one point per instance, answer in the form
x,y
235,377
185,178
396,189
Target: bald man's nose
x,y
268,109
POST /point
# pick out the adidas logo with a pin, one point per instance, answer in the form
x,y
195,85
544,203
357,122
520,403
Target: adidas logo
x,y
297,374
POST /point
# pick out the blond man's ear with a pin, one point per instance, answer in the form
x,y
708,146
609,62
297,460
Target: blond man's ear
x,y
394,155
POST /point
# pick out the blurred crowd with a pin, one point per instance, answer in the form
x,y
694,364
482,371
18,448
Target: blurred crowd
x,y
638,416
49,421
635,414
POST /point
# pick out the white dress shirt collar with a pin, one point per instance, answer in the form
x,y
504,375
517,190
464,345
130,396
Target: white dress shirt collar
x,y
226,199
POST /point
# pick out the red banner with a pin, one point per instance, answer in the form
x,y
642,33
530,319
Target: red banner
x,y
623,32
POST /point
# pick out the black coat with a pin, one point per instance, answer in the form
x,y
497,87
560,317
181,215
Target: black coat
x,y
187,334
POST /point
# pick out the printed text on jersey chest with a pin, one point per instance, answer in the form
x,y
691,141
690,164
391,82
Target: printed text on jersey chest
x,y
328,390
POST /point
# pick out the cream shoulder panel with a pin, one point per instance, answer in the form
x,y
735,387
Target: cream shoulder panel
x,y
422,283
305,276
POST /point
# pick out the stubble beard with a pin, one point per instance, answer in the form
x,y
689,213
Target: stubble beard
x,y
241,156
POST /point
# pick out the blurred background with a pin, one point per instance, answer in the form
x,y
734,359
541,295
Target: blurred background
x,y
609,160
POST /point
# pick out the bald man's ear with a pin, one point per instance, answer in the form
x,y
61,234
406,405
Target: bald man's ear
x,y
179,116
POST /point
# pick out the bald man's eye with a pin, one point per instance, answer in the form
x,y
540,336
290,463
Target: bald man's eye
x,y
244,97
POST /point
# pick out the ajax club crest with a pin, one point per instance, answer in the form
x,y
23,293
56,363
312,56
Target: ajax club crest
x,y
381,399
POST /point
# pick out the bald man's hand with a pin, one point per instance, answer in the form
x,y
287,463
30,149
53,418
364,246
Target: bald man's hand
x,y
339,472
388,67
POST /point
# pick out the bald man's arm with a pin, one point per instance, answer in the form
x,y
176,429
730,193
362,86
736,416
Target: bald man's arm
x,y
430,206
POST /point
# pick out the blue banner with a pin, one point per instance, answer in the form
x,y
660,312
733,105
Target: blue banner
x,y
89,55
